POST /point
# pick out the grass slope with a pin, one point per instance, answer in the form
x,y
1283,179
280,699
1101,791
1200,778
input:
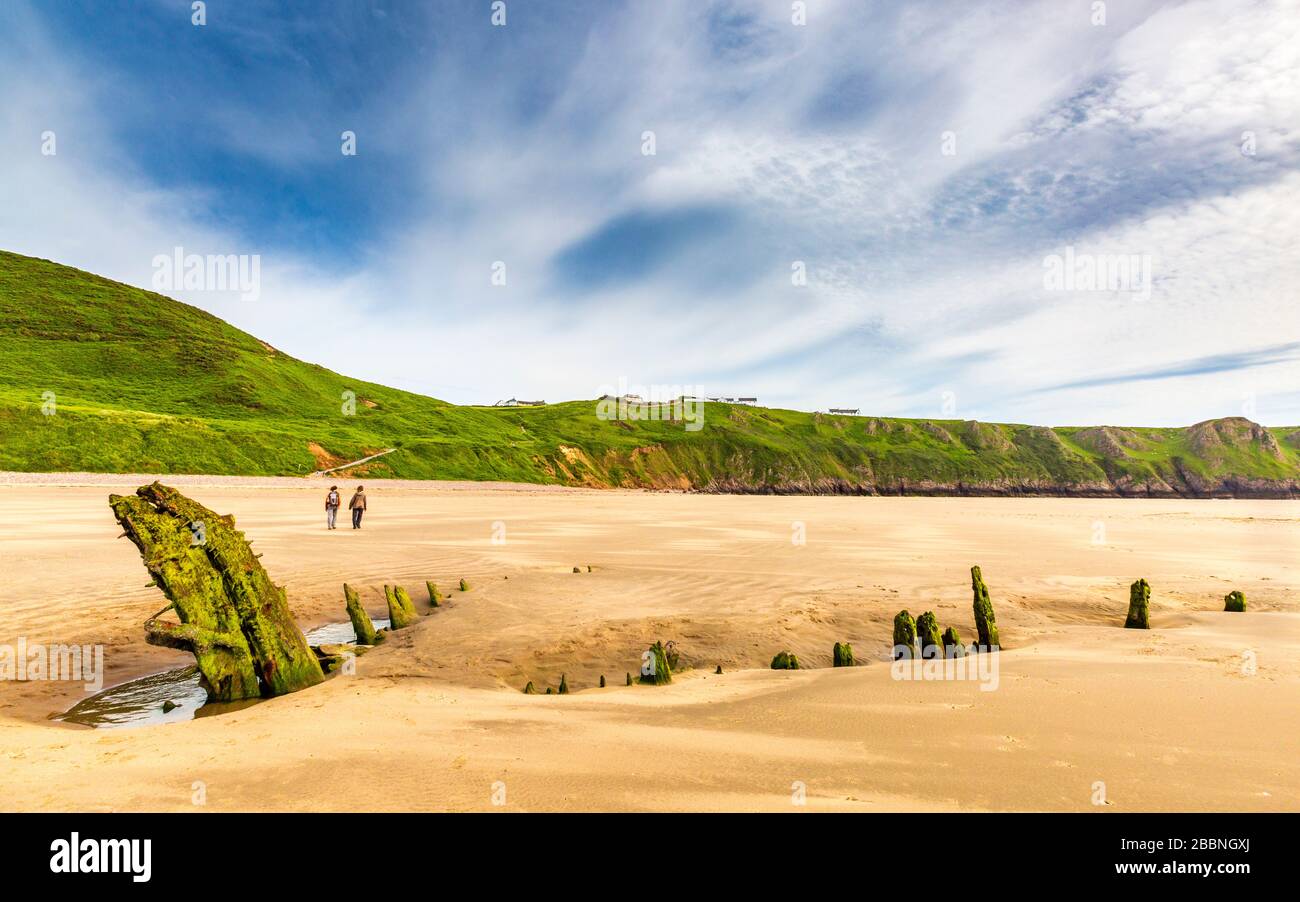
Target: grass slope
x,y
143,383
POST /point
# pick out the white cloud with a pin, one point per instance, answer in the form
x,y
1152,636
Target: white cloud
x,y
902,305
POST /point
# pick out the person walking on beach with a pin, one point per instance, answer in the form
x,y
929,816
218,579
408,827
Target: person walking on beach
x,y
358,506
331,506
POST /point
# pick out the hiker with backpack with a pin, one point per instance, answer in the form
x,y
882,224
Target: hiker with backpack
x,y
358,506
332,502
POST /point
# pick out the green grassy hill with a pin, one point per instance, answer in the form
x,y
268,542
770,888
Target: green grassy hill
x,y
143,383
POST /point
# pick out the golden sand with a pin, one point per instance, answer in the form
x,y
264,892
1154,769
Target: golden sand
x,y
1199,713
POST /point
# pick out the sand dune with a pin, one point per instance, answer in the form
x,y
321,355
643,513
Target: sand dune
x,y
1169,719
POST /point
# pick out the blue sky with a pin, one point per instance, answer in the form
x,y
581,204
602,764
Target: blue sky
x,y
919,162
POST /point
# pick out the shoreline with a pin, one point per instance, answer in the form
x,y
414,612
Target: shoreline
x,y
11,478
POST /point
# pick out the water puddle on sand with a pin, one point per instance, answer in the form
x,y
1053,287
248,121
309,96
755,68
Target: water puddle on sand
x,y
339,633
140,702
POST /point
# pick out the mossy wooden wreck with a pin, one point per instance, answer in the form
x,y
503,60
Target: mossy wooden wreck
x,y
234,620
362,625
401,610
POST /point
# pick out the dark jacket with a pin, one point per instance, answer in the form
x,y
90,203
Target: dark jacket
x,y
358,501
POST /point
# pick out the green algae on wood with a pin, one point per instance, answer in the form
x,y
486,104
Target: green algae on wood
x,y
530,689
464,585
673,655
952,647
1235,601
785,660
564,684
654,666
361,623
904,636
986,623
404,599
435,597
336,648
401,610
928,636
233,618
1139,606
842,655
331,663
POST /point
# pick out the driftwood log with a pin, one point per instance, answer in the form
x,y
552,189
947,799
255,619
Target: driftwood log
x,y
233,619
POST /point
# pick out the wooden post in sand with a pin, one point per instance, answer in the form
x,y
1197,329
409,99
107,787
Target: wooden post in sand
x,y
401,610
904,636
233,619
1139,606
361,622
986,624
785,660
928,636
654,666
952,647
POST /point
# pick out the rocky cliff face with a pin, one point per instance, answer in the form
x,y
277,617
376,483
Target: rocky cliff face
x,y
1195,488
1227,488
1225,458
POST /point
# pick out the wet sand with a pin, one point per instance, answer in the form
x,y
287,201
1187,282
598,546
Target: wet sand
x,y
1191,715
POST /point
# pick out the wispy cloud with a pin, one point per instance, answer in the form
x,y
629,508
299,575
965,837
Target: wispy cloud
x,y
776,146
1200,366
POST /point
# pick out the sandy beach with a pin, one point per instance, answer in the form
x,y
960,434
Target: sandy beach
x,y
1196,714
